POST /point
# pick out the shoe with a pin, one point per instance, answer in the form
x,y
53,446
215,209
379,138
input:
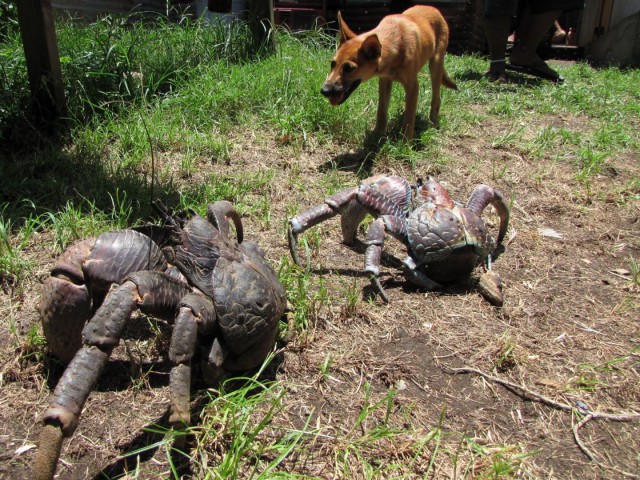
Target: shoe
x,y
496,77
537,69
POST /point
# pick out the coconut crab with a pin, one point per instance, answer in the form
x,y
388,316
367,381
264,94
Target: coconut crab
x,y
445,240
223,298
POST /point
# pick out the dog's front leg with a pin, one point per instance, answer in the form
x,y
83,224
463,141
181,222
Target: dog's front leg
x,y
411,106
384,96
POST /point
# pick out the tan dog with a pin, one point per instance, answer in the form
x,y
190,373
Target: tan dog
x,y
395,51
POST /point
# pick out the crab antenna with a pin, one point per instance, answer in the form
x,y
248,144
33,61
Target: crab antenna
x,y
163,211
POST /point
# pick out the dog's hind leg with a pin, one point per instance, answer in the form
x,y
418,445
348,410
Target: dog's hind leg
x,y
384,96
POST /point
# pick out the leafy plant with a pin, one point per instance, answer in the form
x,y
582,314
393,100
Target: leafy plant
x,y
14,268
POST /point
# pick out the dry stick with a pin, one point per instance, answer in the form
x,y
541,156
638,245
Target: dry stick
x,y
531,395
576,437
590,455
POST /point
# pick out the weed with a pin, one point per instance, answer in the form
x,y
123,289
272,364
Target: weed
x,y
635,271
587,379
32,346
590,163
506,359
496,461
324,368
232,423
351,293
306,298
14,268
75,222
509,138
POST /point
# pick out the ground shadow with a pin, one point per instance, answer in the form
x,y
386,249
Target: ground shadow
x,y
514,79
152,437
145,445
360,161
117,374
43,170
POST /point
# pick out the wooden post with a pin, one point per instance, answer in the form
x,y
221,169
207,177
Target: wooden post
x,y
261,21
43,62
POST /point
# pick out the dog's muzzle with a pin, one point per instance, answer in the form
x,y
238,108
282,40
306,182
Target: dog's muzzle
x,y
338,94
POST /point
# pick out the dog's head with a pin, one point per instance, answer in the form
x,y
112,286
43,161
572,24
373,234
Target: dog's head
x,y
355,61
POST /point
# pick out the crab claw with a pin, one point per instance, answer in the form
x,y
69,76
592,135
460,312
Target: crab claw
x,y
293,244
65,303
293,248
490,287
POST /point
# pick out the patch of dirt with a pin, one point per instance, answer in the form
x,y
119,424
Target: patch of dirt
x,y
568,329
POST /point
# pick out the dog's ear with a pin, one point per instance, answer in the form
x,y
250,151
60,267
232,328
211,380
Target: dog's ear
x,y
344,32
371,48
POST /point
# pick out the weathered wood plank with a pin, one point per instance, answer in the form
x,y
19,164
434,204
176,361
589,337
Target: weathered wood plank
x,y
43,62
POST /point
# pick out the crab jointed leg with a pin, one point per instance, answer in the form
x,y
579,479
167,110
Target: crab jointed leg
x,y
219,212
378,195
342,202
395,226
196,315
153,293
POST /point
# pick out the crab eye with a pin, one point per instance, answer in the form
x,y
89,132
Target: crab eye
x,y
347,68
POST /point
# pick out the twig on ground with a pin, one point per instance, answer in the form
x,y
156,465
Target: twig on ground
x,y
590,455
531,395
576,437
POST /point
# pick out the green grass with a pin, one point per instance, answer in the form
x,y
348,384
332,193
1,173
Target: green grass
x,y
141,92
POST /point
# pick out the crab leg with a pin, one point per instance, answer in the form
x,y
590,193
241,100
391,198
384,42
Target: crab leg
x,y
196,315
151,292
377,195
219,212
375,241
343,203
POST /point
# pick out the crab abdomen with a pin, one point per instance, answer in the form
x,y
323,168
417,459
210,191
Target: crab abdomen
x,y
434,232
249,302
448,242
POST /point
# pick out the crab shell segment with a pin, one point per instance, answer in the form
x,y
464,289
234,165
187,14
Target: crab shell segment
x,y
451,241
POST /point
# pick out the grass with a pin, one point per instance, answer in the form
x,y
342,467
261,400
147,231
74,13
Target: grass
x,y
13,267
162,110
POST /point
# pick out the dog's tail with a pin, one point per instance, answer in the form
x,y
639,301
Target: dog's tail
x,y
448,82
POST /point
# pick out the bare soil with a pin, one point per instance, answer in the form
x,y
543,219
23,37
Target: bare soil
x,y
569,329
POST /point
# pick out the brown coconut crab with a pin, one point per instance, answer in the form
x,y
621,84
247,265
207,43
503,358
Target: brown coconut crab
x,y
445,241
221,295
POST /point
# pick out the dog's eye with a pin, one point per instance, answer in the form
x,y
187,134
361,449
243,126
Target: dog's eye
x,y
333,64
347,68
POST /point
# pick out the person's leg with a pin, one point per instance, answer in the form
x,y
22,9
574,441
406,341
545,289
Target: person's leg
x,y
529,32
531,28
497,27
497,30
